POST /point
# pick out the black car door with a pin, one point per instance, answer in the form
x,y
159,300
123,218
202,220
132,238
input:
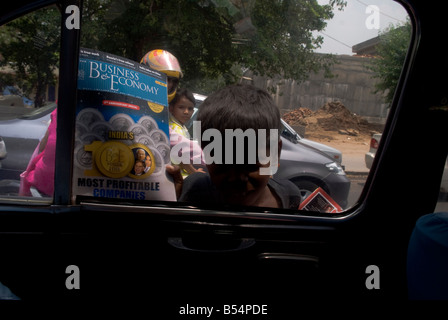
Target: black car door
x,y
184,259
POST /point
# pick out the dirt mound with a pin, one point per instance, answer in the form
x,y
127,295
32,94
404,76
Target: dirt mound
x,y
298,116
331,119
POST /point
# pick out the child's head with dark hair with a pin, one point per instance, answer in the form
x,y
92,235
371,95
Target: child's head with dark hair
x,y
182,92
242,173
239,107
182,105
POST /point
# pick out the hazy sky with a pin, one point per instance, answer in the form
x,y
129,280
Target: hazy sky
x,y
348,27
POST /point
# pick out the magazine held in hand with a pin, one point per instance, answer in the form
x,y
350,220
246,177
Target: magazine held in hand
x,y
122,136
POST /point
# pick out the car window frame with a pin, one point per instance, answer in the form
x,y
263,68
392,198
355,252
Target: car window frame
x,y
68,75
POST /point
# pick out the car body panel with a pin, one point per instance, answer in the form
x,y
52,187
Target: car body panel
x,y
299,161
334,153
3,151
370,155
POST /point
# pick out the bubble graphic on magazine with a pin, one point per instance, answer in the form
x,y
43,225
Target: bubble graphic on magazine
x,y
83,158
81,129
158,136
127,141
121,122
102,129
138,130
148,122
158,159
89,116
164,150
145,140
88,138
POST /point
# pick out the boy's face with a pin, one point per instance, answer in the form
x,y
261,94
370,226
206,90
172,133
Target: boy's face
x,y
240,184
182,110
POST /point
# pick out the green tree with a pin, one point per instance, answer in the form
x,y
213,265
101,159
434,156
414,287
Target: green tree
x,y
30,47
215,39
391,54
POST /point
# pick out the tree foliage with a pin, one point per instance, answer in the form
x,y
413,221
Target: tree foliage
x,y
30,47
211,37
391,51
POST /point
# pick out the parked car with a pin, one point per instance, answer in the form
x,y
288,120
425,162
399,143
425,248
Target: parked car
x,y
289,133
309,168
12,90
370,155
308,164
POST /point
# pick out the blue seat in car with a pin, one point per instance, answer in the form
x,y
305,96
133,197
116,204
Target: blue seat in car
x,y
427,261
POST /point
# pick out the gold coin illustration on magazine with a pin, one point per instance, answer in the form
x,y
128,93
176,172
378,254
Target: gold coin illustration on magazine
x,y
114,159
144,161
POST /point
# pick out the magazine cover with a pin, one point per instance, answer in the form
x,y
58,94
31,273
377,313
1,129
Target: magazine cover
x,y
122,136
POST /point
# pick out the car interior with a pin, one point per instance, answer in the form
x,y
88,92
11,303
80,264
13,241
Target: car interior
x,y
105,232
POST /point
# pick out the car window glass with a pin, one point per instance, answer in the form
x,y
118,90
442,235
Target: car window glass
x,y
331,67
29,59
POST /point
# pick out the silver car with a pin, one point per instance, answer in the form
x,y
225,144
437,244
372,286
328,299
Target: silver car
x,y
288,131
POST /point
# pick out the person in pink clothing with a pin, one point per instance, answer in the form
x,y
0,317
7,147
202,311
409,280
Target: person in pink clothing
x,y
39,174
